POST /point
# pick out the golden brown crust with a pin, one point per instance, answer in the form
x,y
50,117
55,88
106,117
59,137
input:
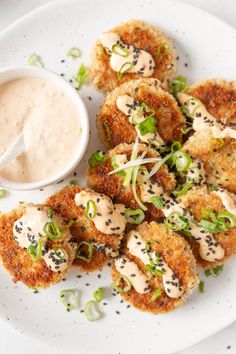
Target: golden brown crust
x,y
83,229
197,200
142,36
170,120
19,263
219,97
112,185
177,253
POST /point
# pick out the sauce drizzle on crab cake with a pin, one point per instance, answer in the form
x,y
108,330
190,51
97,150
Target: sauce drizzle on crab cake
x,y
157,270
36,248
120,53
118,125
86,225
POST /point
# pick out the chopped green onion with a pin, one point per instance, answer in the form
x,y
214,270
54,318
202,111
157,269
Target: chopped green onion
x,y
35,60
134,216
191,106
134,163
92,311
73,183
90,210
162,49
74,53
186,130
116,284
124,69
36,250
71,222
96,157
144,108
108,132
176,222
60,252
52,230
215,272
157,202
156,294
182,161
85,256
134,180
50,213
176,146
115,164
153,263
180,84
147,126
182,190
70,299
119,50
228,218
98,294
201,286
213,187
81,76
3,193
213,227
133,156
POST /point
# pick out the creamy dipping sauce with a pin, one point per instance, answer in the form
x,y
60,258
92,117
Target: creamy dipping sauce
x,y
209,249
51,125
108,218
133,109
137,248
228,199
28,230
202,119
136,277
140,61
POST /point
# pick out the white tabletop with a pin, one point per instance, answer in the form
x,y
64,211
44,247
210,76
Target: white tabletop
x,y
13,342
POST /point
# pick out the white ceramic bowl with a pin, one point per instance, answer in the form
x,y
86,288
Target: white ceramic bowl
x,y
11,73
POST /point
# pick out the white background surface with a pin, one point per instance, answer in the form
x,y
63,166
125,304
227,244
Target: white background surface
x,y
12,342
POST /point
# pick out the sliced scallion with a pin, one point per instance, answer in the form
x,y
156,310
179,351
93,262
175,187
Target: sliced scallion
x,y
36,249
50,213
81,76
134,216
73,183
84,255
70,299
96,158
116,284
182,189
108,132
90,209
98,294
129,172
52,230
182,161
35,59
215,272
156,294
3,193
176,222
201,286
74,53
180,84
92,311
147,126
124,69
134,190
119,50
162,49
228,218
157,202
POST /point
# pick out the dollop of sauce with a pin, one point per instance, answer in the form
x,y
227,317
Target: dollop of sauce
x,y
51,125
28,230
209,248
136,277
137,247
141,62
132,109
228,199
108,218
203,120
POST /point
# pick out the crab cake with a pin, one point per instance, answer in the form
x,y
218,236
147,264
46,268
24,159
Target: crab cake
x,y
88,211
36,245
130,51
139,107
157,270
101,181
201,202
213,142
219,97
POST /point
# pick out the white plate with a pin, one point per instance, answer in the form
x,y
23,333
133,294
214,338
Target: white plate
x,y
207,45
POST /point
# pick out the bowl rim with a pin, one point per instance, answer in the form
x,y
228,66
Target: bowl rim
x,y
15,72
